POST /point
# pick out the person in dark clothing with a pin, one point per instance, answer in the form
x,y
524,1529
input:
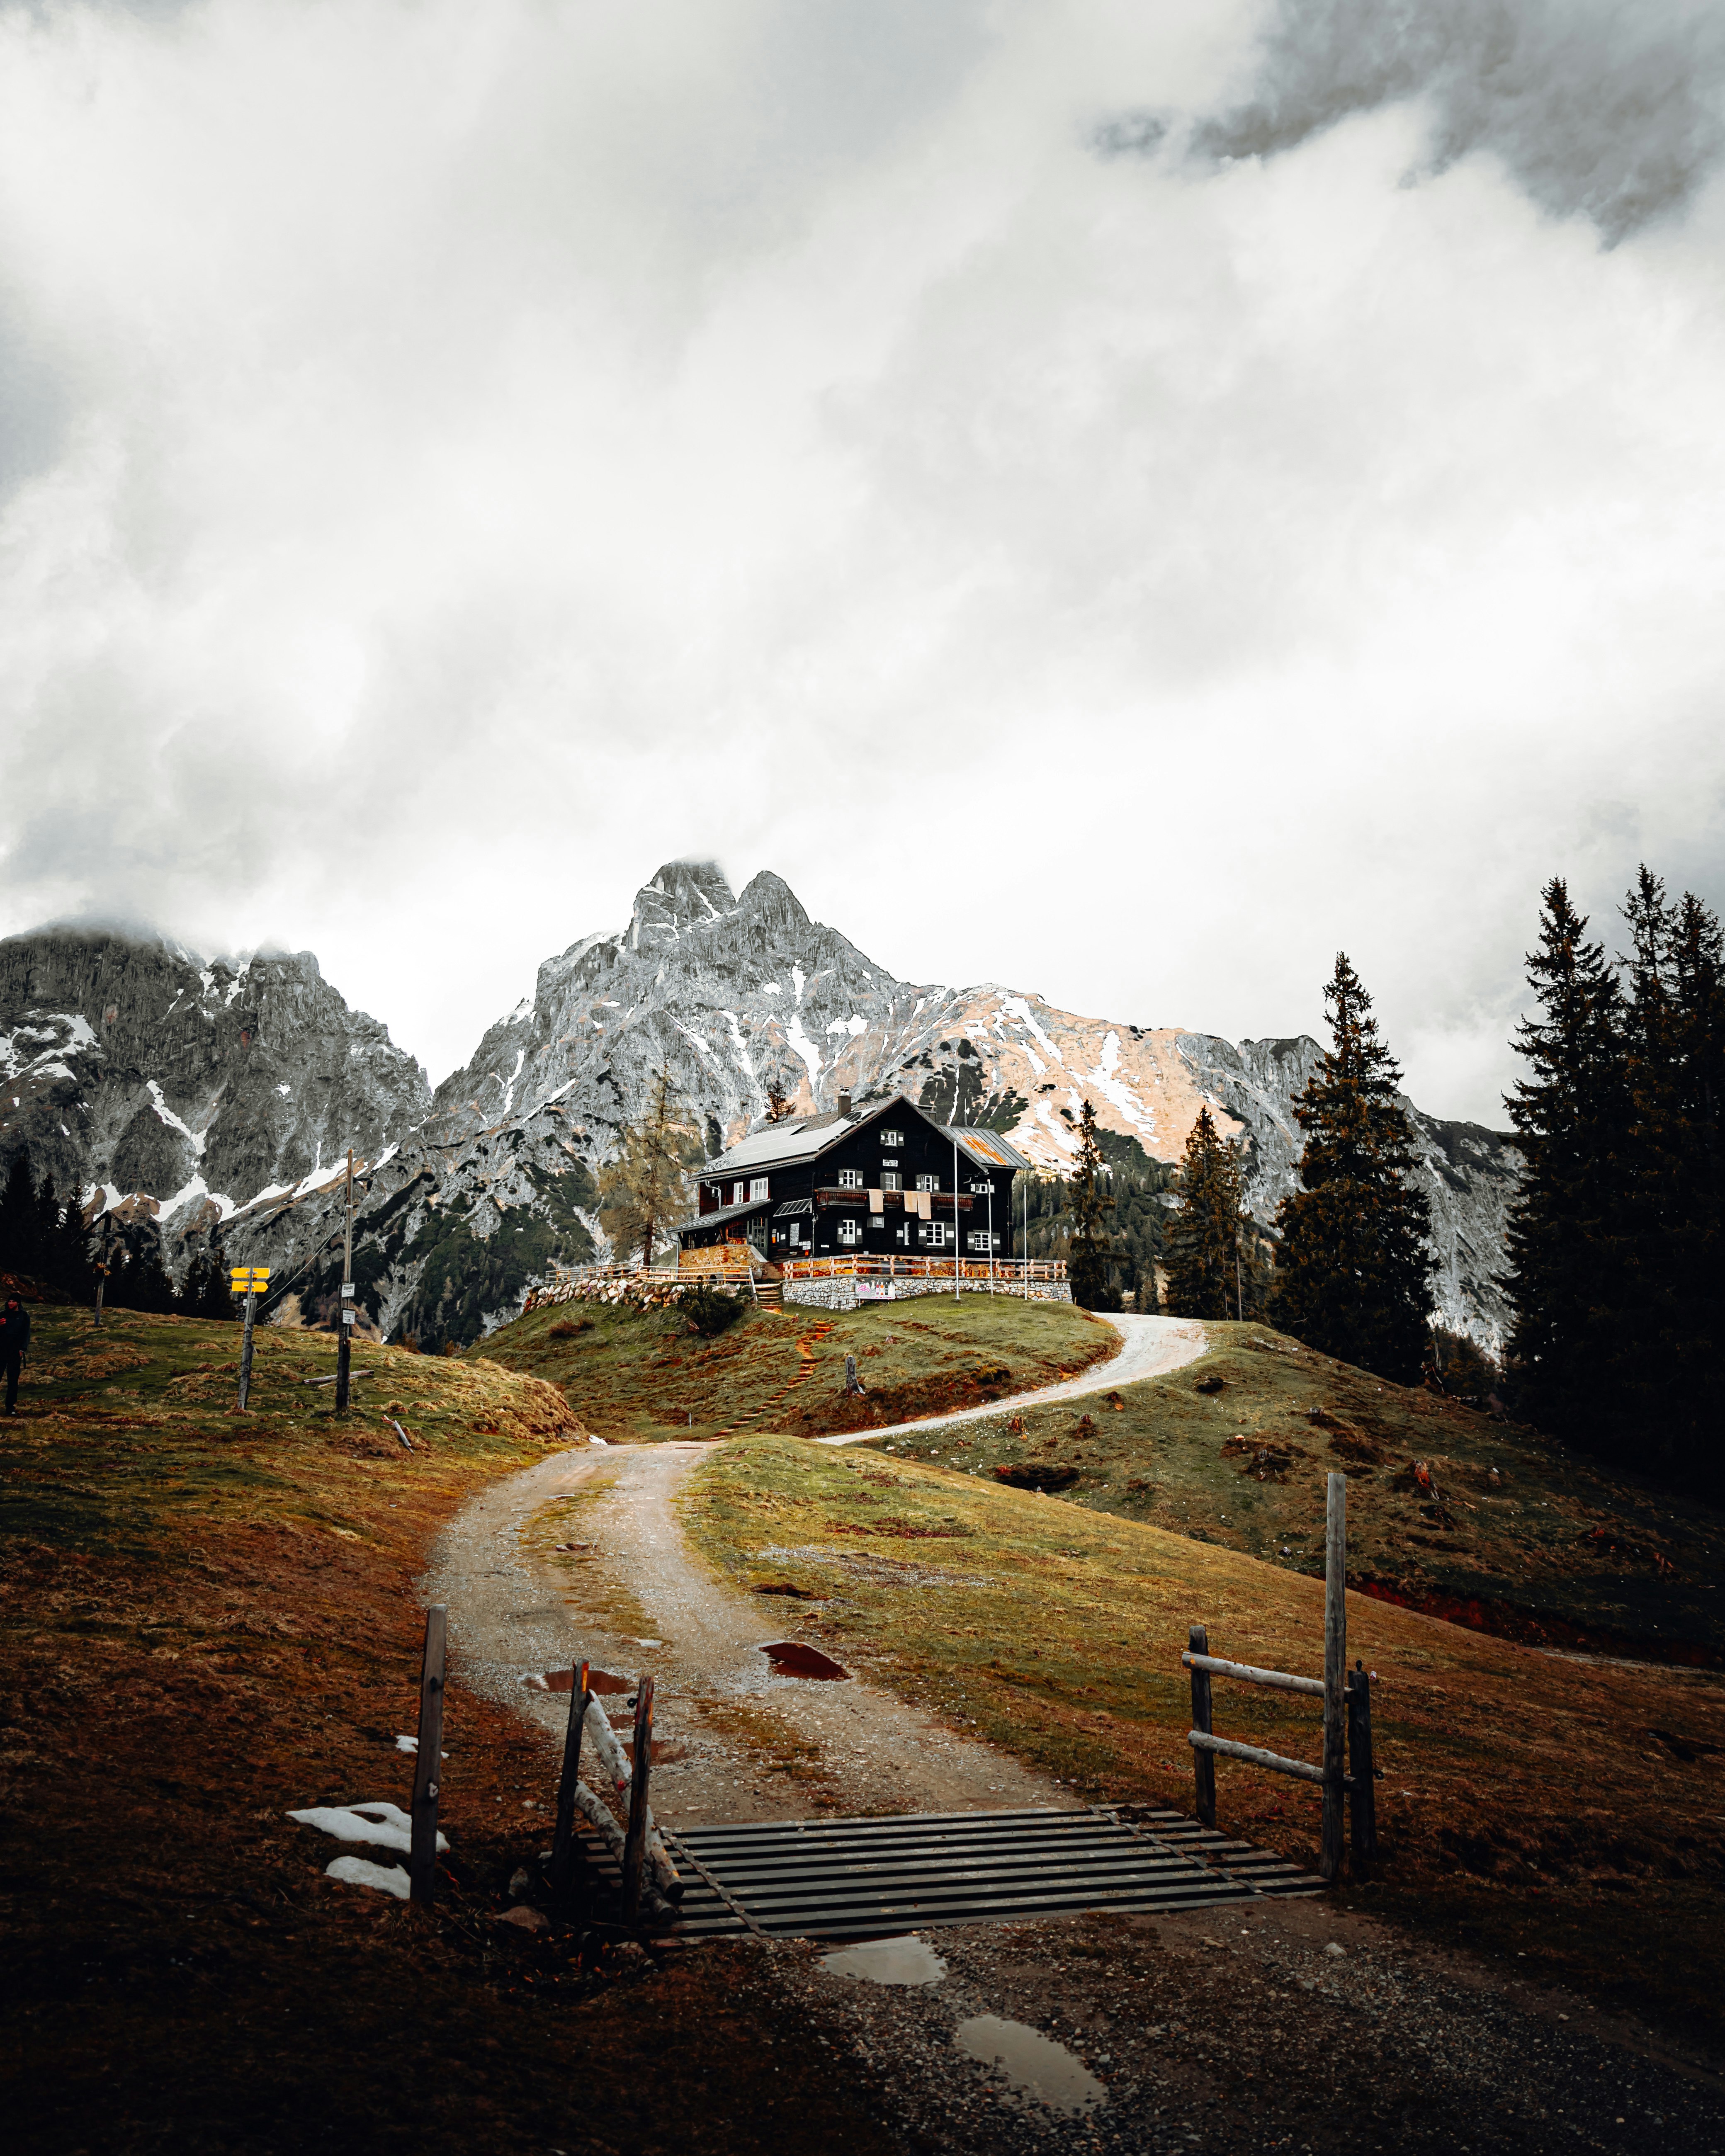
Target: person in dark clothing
x,y
14,1346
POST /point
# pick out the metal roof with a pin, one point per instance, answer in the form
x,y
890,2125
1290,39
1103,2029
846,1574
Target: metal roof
x,y
718,1218
986,1146
805,1137
796,1138
793,1205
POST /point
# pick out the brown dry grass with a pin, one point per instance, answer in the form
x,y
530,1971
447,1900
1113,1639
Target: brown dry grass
x,y
208,1620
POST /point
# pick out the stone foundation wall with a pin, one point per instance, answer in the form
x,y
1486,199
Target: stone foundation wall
x,y
844,1293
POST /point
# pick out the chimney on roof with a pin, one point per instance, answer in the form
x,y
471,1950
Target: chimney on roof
x,y
844,1104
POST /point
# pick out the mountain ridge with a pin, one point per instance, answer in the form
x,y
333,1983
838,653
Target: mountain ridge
x,y
258,1072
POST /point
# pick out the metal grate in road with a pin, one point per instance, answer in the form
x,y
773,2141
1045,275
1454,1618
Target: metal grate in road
x,y
869,1878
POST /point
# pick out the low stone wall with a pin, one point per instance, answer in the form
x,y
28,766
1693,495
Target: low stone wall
x,y
844,1293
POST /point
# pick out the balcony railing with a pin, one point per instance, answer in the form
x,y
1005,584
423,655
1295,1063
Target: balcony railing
x,y
1007,1272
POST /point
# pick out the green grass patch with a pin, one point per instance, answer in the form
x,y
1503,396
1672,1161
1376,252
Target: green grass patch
x,y
637,1376
1526,1800
1522,1536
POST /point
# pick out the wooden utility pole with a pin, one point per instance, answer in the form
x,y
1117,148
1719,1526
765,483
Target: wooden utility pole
x,y
563,1856
344,1345
1335,1671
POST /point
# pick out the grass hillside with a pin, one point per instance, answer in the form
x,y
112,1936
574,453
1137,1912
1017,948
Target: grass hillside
x,y
637,1376
1533,1803
1515,1532
207,1619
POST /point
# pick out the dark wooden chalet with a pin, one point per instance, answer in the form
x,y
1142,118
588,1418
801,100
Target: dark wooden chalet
x,y
877,1182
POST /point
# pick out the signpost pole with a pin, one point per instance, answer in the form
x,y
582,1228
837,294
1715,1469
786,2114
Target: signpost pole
x,y
250,1281
344,1345
245,1346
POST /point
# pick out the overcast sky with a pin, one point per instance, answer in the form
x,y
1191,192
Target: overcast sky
x,y
1117,499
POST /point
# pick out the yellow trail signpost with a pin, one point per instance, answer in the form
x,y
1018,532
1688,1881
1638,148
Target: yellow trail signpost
x,y
250,1281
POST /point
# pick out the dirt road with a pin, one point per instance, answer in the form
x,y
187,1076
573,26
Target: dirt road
x,y
1149,1348
736,1741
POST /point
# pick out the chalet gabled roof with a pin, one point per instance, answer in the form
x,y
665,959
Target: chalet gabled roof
x,y
800,1138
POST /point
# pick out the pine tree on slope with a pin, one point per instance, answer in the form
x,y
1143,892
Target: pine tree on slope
x,y
1655,1361
1354,1270
1570,1116
1087,1263
1203,1243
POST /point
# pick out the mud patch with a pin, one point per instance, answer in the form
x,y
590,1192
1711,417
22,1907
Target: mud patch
x,y
791,1658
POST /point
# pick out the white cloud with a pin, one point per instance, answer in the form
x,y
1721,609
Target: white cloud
x,y
485,451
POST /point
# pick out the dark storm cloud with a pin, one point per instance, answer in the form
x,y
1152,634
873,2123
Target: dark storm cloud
x,y
1600,110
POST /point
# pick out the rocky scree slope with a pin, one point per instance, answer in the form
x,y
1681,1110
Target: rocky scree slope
x,y
217,1093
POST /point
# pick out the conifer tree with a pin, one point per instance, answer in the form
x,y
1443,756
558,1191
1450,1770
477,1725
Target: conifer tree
x,y
645,1188
1570,1116
20,1221
1204,1236
1087,1264
1354,1272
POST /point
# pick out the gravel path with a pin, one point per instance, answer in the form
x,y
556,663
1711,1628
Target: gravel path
x,y
1270,2026
1149,1348
736,1740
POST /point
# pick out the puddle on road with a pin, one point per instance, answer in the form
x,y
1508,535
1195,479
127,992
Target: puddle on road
x,y
1031,2062
790,1658
908,1960
597,1680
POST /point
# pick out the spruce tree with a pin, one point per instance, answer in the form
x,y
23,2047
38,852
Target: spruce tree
x,y
1087,1263
1570,1115
1654,1362
1204,1236
1354,1272
20,1220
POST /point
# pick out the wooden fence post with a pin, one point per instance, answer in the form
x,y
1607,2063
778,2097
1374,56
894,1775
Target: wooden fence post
x,y
1363,1796
635,1842
1335,1670
562,1846
427,1766
1203,1763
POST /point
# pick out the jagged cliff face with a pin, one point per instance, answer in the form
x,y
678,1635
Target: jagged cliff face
x,y
210,1093
735,994
134,1069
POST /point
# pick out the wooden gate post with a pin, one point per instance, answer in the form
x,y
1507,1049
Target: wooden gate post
x,y
427,1766
635,1842
1335,1670
562,1846
1203,1763
1363,1806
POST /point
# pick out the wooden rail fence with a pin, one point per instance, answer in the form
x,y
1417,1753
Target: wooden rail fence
x,y
1347,1769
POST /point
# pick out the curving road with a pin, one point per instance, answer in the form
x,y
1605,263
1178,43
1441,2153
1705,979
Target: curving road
x,y
1149,1348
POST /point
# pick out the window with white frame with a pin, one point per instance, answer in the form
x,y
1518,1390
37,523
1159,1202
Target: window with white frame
x,y
850,1178
850,1230
928,1182
758,1186
737,1193
932,1234
982,1190
890,1179
981,1240
891,1139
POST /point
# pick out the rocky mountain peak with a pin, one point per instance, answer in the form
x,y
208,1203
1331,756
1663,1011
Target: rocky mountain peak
x,y
683,894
